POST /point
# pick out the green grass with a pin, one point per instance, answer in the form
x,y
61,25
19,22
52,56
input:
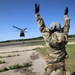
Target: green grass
x,y
70,62
1,62
42,51
9,56
71,40
16,66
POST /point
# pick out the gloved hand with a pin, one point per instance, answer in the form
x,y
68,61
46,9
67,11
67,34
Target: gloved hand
x,y
66,11
37,8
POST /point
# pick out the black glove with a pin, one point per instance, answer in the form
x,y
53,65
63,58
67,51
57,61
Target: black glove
x,y
37,8
66,11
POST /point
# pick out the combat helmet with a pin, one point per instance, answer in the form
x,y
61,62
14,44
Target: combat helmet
x,y
55,26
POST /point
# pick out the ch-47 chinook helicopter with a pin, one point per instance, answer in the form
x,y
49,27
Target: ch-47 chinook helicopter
x,y
21,31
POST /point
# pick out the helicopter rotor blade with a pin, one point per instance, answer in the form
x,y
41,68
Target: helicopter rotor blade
x,y
24,29
17,27
27,28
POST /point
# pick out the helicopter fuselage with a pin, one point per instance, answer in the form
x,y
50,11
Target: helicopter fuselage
x,y
22,34
21,31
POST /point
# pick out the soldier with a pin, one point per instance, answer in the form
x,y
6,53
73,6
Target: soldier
x,y
55,38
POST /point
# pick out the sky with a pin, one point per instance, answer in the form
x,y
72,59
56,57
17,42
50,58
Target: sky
x,y
21,13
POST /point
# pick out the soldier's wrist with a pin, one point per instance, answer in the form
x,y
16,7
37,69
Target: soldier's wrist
x,y
65,16
37,15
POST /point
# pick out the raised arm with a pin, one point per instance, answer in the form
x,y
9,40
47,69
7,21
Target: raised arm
x,y
43,29
66,22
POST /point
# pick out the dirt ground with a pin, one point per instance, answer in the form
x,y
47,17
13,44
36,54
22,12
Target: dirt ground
x,y
25,54
20,55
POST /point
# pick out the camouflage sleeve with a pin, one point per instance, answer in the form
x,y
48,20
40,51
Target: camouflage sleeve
x,y
43,29
66,24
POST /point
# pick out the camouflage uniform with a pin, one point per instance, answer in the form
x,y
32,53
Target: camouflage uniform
x,y
55,57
